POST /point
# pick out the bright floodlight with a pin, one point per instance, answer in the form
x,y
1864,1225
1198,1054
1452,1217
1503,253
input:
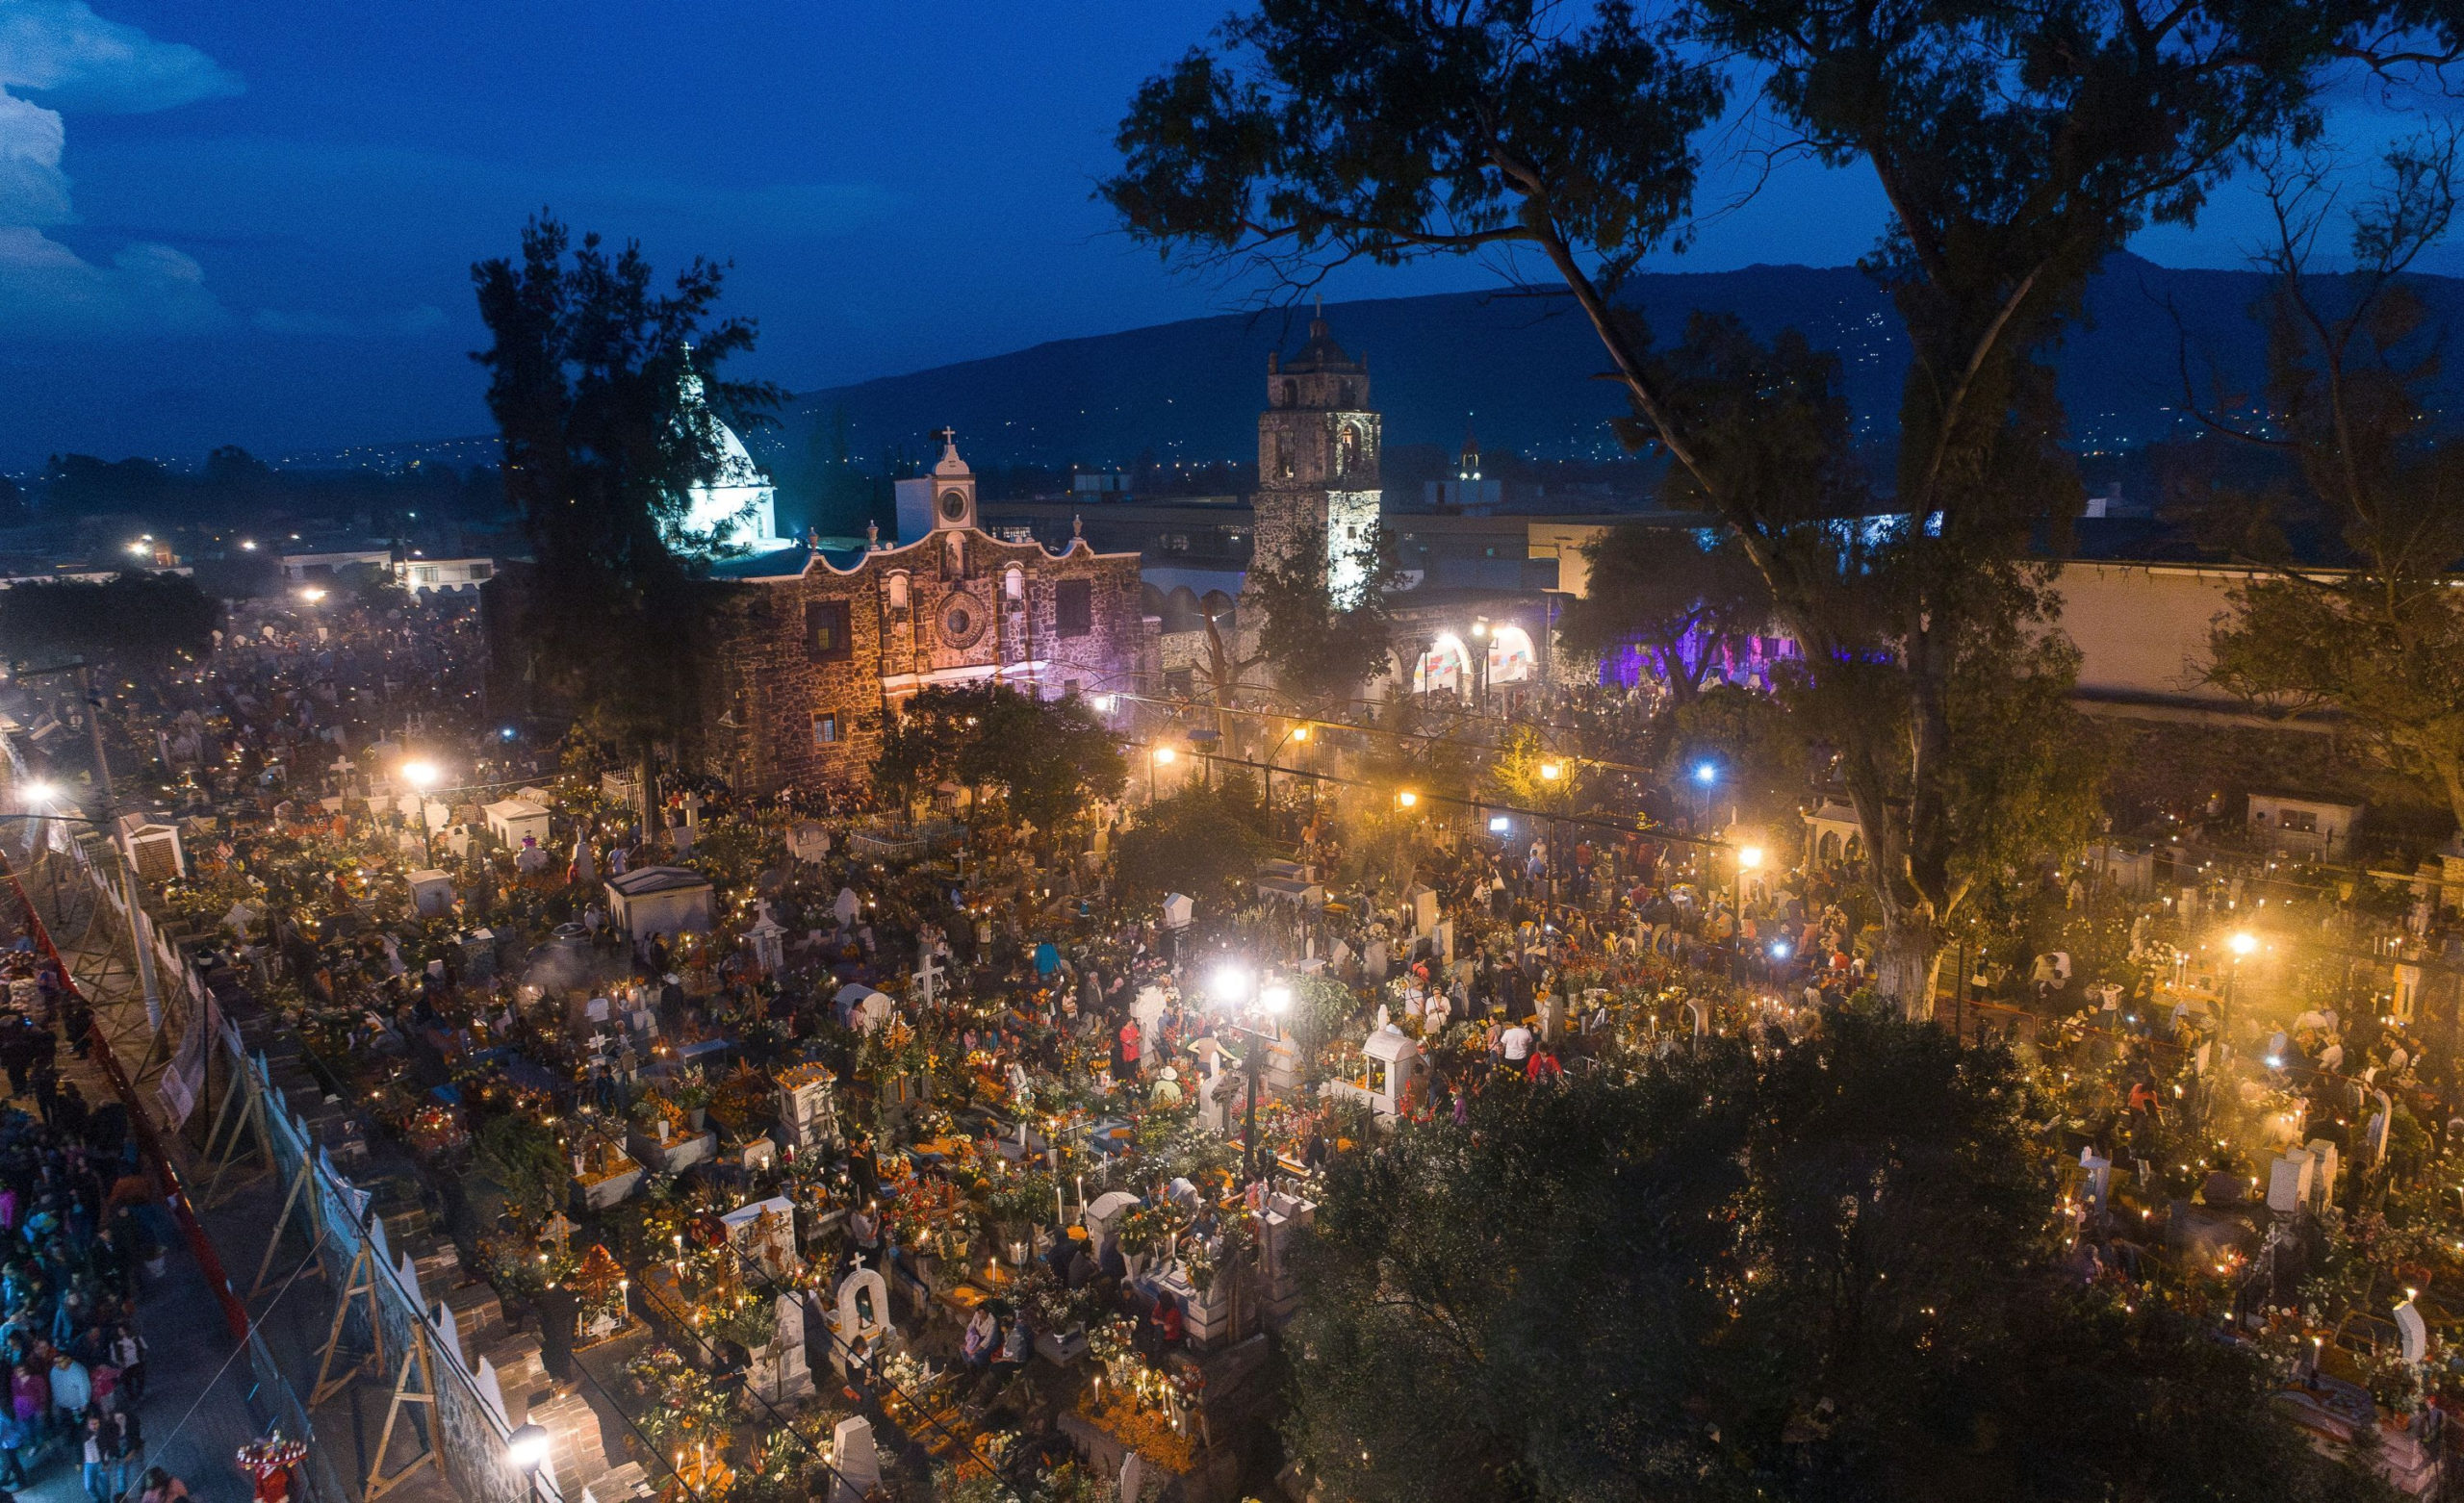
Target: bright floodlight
x,y
1479,628
1230,983
1748,857
1276,999
1707,773
1300,732
1406,798
40,793
2243,943
1780,950
1551,771
1163,756
527,1447
311,594
1499,824
137,548
248,544
422,775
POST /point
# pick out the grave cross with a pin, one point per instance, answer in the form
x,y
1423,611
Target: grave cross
x,y
560,1230
927,974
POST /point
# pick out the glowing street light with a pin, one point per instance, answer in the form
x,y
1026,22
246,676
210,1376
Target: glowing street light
x,y
2243,943
1551,771
1406,799
1163,756
526,1448
311,594
1706,774
1231,984
422,775
1749,858
1300,732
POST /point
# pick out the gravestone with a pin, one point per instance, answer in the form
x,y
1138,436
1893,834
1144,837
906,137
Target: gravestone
x,y
852,1458
811,843
862,1314
781,1370
765,1231
808,1108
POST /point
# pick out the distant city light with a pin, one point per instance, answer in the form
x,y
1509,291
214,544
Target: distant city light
x,y
249,544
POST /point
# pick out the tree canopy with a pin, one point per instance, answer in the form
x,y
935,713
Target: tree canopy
x,y
1046,758
139,620
1828,1270
1204,840
2372,461
2016,147
603,389
1320,648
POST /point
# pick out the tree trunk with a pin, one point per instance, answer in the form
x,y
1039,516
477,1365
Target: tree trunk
x,y
646,796
1906,963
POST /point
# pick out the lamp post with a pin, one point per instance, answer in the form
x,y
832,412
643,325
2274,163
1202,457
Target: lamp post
x,y
422,776
1161,756
525,1450
1299,733
1233,988
1481,662
2242,944
1748,859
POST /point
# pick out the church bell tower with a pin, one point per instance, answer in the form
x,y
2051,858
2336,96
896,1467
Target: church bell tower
x,y
1319,441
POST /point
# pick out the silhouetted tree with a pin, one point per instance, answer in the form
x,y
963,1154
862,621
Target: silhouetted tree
x,y
603,390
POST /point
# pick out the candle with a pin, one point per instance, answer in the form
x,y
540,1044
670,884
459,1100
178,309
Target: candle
x,y
1060,1208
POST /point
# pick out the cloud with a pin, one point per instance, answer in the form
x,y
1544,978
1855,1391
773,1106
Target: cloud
x,y
77,60
73,60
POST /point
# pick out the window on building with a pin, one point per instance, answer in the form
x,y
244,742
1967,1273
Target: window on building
x,y
2301,821
1074,607
824,727
483,570
826,636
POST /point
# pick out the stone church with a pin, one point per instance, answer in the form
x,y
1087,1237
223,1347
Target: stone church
x,y
819,649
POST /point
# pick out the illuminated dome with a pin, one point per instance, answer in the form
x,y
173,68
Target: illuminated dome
x,y
739,508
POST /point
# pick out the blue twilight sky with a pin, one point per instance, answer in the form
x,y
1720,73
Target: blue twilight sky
x,y
252,221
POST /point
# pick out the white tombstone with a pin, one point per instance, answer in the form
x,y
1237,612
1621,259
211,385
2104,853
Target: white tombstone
x,y
781,1370
769,940
765,1231
2412,1333
2288,1182
1422,900
1178,910
1133,1476
759,1154
809,1106
862,1314
2322,1174
1107,1209
811,843
431,894
856,1465
847,906
2100,1174
1373,960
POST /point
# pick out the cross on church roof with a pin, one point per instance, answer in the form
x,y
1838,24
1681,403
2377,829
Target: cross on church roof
x,y
950,437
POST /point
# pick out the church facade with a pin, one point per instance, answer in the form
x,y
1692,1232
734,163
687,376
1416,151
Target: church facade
x,y
817,650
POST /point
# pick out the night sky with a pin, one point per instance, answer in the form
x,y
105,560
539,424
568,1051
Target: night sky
x,y
253,223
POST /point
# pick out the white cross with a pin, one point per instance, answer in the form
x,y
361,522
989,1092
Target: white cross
x,y
926,974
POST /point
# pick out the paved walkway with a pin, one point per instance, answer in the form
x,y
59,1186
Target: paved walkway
x,y
201,1398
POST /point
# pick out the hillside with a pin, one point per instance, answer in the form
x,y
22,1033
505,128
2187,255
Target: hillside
x,y
1521,369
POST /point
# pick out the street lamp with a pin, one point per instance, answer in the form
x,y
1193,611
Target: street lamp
x,y
1230,987
311,594
422,775
1406,798
1480,634
1161,756
525,1450
2242,943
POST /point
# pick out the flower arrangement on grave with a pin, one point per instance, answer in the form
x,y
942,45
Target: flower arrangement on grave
x,y
1024,1199
436,1130
680,1407
1114,1343
654,1106
1147,1412
1142,1230
742,1102
598,1285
